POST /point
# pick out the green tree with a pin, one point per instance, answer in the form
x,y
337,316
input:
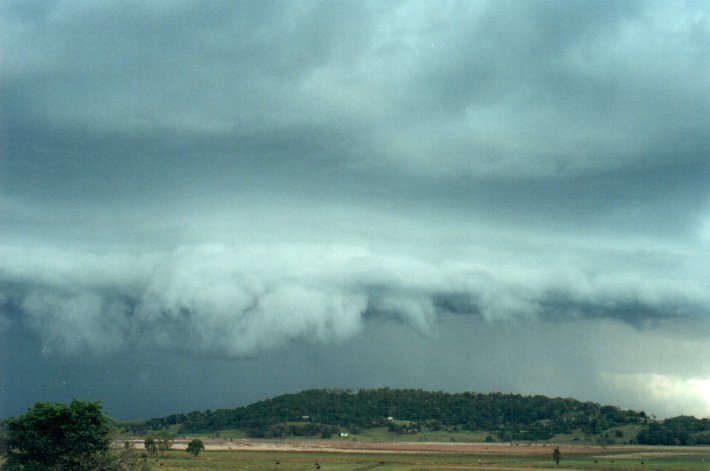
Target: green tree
x,y
164,441
57,436
556,455
150,445
195,446
122,455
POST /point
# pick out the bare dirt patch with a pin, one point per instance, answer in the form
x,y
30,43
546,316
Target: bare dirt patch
x,y
386,447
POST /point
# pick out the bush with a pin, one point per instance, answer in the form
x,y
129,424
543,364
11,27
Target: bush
x,y
56,436
195,447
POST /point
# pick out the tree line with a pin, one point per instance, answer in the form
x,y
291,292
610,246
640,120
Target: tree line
x,y
679,431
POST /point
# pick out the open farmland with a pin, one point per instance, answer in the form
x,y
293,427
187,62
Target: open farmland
x,y
342,455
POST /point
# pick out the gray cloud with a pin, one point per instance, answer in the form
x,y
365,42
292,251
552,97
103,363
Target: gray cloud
x,y
484,89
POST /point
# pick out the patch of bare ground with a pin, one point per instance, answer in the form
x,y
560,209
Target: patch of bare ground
x,y
383,447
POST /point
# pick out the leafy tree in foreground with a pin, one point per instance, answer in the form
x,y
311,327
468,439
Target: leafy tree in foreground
x,y
57,436
150,445
195,446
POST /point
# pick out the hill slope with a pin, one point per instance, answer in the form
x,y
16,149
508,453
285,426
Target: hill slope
x,y
509,416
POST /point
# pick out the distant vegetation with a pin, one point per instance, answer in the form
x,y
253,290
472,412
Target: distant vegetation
x,y
506,417
681,430
503,417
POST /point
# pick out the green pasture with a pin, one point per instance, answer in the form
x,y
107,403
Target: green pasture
x,y
620,435
226,434
381,434
577,437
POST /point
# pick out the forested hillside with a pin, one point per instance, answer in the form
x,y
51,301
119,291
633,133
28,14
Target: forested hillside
x,y
508,416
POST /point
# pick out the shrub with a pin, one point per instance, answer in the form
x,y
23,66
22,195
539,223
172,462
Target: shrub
x,y
195,447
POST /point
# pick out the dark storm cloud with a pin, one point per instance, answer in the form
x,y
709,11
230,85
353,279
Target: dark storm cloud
x,y
222,179
489,89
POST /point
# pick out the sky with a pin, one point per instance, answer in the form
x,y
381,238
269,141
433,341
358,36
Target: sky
x,y
204,203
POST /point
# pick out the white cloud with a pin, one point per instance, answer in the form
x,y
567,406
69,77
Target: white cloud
x,y
75,323
241,299
668,395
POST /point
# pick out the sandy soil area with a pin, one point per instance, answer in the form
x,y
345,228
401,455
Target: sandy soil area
x,y
338,446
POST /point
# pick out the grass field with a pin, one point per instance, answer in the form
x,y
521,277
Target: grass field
x,y
381,434
501,457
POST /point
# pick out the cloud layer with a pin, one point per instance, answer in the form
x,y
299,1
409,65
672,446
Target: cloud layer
x,y
224,181
233,300
490,89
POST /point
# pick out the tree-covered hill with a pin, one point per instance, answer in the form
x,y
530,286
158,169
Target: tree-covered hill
x,y
317,411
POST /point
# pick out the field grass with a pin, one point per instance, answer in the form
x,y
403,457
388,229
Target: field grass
x,y
226,434
627,432
617,458
381,434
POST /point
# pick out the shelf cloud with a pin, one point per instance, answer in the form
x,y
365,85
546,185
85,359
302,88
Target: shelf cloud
x,y
225,182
